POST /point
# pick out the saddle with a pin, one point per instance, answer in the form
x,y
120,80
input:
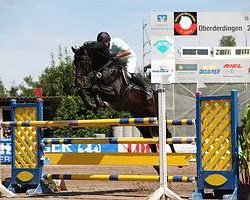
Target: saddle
x,y
126,75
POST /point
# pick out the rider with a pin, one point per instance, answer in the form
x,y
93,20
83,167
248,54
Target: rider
x,y
124,54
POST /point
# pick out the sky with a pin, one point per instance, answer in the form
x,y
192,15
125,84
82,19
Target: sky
x,y
31,30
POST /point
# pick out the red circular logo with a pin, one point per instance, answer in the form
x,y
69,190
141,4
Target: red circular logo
x,y
185,23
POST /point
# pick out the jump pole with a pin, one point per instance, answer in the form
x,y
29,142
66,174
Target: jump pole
x,y
163,191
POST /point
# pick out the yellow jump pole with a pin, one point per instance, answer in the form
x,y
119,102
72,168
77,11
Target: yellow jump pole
x,y
116,177
147,121
131,140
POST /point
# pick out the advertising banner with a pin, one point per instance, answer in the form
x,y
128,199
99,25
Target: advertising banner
x,y
212,71
163,71
186,72
172,31
5,151
92,148
227,23
224,71
162,48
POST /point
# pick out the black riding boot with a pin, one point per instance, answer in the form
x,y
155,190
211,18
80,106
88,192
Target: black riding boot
x,y
139,81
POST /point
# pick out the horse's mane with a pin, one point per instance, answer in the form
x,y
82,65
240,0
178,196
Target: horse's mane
x,y
96,53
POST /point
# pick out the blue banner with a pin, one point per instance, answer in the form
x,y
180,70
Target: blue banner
x,y
5,149
82,148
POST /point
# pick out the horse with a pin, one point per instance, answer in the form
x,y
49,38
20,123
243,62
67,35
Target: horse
x,y
111,82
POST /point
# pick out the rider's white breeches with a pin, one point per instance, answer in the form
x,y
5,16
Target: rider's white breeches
x,y
131,64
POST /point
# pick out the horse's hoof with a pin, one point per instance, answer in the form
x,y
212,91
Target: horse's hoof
x,y
92,107
105,104
157,168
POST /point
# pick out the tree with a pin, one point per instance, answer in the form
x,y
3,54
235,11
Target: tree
x,y
27,88
13,91
244,153
58,79
227,41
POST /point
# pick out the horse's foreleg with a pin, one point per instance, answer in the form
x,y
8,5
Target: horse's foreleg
x,y
96,96
83,96
98,100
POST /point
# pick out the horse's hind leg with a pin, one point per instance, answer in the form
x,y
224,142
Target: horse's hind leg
x,y
147,132
155,133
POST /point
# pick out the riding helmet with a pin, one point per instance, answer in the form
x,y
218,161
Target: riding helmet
x,y
103,36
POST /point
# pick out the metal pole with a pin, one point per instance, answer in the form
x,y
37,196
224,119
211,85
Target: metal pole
x,y
143,45
1,119
173,112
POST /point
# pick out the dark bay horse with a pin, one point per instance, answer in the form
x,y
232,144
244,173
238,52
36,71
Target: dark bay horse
x,y
110,81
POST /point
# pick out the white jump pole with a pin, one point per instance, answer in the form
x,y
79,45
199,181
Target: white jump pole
x,y
163,191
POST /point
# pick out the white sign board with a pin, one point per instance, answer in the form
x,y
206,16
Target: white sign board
x,y
172,30
162,50
212,71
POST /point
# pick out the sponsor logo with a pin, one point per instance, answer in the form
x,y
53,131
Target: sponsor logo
x,y
163,69
162,46
81,148
5,151
209,70
185,23
139,148
162,18
186,67
233,66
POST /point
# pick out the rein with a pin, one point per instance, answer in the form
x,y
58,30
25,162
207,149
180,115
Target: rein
x,y
98,73
104,66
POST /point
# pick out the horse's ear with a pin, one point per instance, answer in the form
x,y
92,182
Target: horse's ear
x,y
74,50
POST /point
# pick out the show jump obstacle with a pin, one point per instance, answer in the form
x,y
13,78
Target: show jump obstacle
x,y
217,149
